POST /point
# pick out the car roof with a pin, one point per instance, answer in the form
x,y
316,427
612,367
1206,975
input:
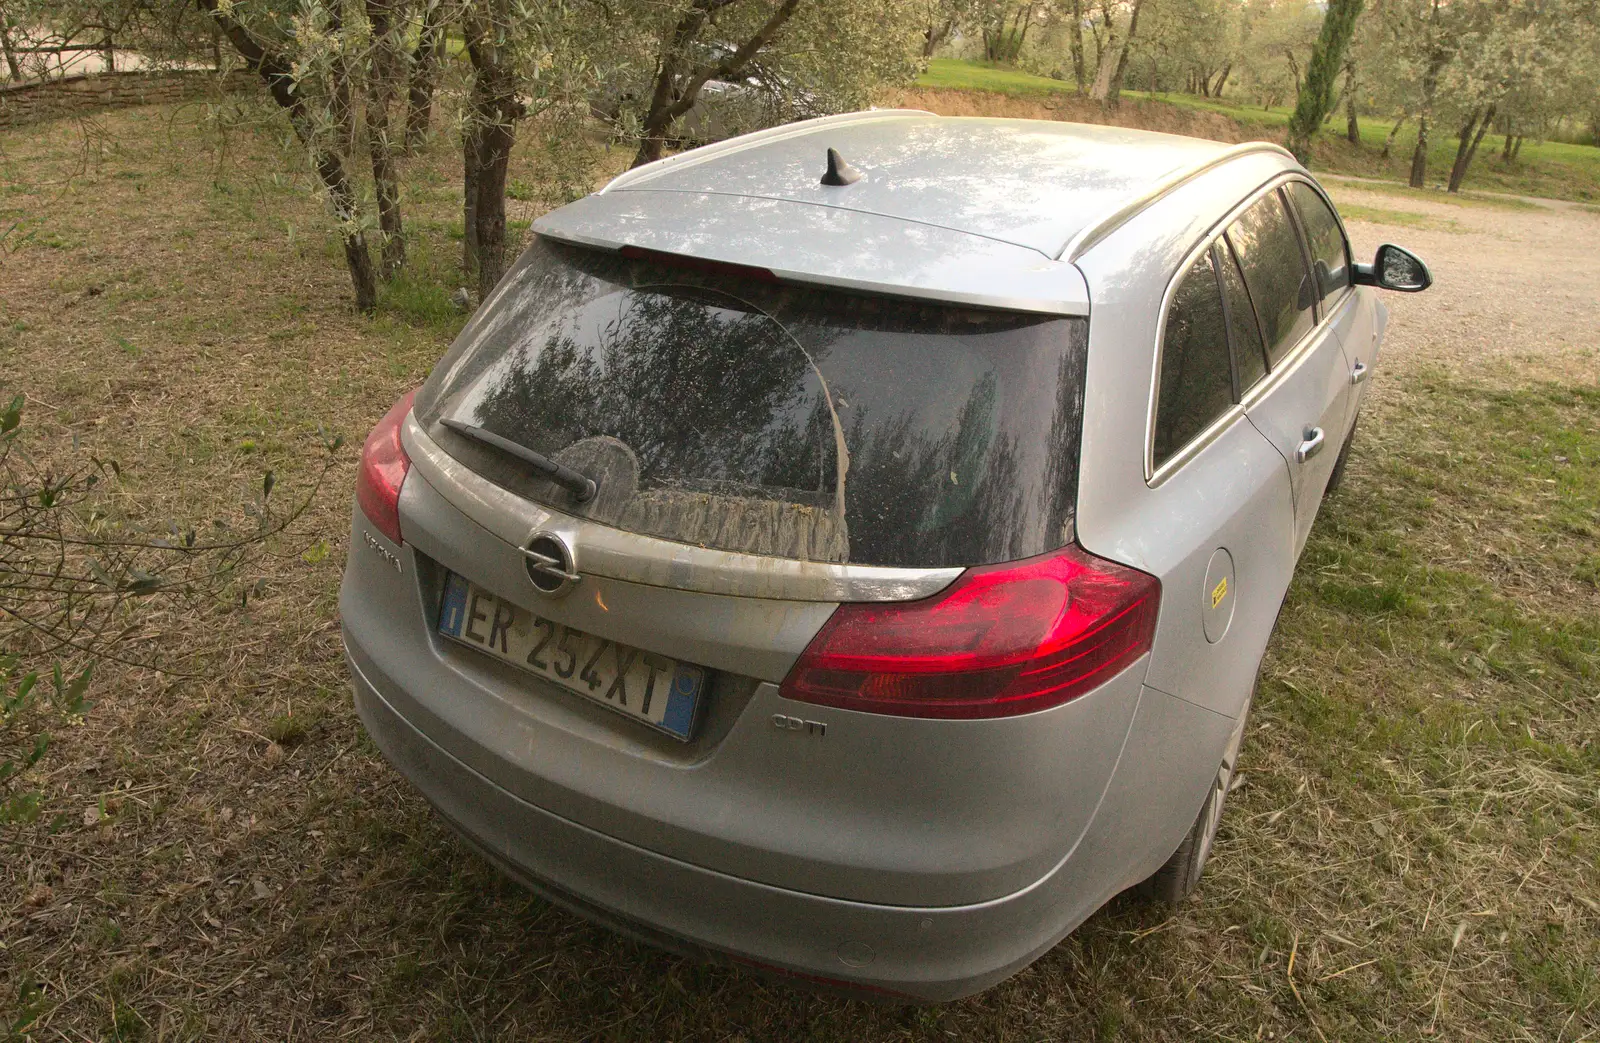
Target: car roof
x,y
991,197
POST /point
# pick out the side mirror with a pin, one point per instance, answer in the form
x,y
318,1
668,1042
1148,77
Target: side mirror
x,y
1395,268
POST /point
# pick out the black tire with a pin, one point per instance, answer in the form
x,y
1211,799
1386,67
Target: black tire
x,y
1338,465
1180,876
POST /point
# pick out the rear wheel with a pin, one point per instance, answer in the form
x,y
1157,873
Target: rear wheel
x,y
1176,880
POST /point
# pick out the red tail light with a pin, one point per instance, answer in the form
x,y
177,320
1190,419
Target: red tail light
x,y
384,464
1001,640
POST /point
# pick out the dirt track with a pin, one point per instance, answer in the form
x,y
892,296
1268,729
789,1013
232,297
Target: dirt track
x,y
1516,293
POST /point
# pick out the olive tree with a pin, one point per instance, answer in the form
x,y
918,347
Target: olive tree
x,y
1464,62
795,57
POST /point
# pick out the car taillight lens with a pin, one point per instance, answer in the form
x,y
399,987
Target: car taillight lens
x,y
1001,640
384,464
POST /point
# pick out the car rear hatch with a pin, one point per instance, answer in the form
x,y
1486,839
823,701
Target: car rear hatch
x,y
761,453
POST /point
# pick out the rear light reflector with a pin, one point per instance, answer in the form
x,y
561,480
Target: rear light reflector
x,y
384,464
1001,640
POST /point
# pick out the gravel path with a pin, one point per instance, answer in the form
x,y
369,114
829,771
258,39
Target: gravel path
x,y
1516,292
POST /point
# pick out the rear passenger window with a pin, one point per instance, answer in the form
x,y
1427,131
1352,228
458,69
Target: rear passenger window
x,y
1196,379
1275,270
1249,354
1330,254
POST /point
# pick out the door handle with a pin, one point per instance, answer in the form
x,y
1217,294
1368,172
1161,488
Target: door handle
x,y
1311,446
1359,373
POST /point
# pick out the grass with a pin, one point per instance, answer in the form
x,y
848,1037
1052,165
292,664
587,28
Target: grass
x,y
1414,851
1550,168
1398,218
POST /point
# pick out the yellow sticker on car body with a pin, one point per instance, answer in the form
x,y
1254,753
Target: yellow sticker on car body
x,y
1219,592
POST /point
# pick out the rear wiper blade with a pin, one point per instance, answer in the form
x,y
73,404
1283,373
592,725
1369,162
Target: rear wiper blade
x,y
580,485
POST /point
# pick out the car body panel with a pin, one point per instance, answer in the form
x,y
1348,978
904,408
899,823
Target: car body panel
x,y
928,953
1032,183
875,809
1233,492
1309,391
827,246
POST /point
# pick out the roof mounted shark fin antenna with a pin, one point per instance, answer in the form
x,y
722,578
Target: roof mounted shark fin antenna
x,y
839,173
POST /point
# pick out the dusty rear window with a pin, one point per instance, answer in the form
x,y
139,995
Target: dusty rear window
x,y
711,409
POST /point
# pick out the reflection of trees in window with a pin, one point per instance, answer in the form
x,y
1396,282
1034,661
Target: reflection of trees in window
x,y
726,437
692,389
915,499
1274,269
1060,490
532,292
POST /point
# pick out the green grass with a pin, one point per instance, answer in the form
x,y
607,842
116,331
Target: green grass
x,y
1386,216
957,74
1551,168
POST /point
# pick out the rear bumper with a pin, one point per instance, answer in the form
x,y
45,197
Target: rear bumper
x,y
924,954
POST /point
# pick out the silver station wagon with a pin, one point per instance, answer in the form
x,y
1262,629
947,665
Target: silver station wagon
x,y
849,549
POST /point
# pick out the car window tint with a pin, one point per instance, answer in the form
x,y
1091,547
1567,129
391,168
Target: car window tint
x,y
1249,354
1196,378
1275,270
1330,254
778,419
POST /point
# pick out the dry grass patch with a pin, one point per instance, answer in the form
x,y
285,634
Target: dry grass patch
x,y
1414,851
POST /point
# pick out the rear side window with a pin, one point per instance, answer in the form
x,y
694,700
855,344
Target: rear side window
x,y
1196,376
1275,270
774,419
1249,354
1330,254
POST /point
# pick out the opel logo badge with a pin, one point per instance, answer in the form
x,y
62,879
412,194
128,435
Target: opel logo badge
x,y
550,565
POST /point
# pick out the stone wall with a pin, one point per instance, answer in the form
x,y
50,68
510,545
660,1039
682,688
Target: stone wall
x,y
50,99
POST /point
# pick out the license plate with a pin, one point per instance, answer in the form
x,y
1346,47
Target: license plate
x,y
661,692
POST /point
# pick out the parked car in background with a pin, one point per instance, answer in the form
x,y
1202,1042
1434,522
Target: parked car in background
x,y
849,549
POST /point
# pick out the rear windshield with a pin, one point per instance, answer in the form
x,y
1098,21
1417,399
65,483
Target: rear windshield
x,y
747,415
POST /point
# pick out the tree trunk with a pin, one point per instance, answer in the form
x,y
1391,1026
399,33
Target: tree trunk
x,y
1388,142
1352,128
1419,157
1516,153
1075,38
1025,19
1469,148
1103,69
489,220
1505,149
934,35
381,91
1316,91
1222,80
341,106
1463,143
1113,96
277,72
491,133
425,67
669,100
11,57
